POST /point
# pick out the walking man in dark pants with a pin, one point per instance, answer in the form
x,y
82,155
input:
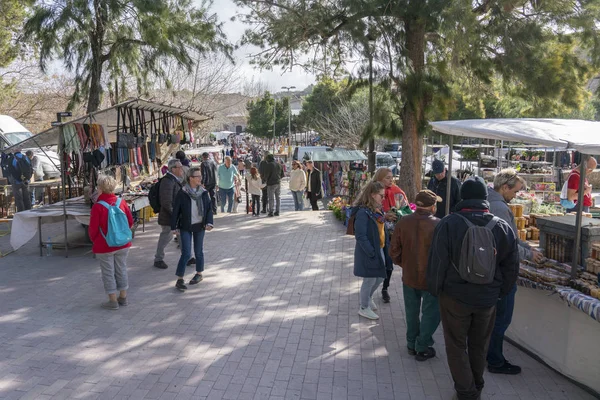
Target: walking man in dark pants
x,y
468,309
506,186
209,179
314,190
262,171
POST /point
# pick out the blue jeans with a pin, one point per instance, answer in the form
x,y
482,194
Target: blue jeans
x,y
226,194
186,251
504,313
298,200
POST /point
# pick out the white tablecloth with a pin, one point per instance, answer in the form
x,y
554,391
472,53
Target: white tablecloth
x,y
25,223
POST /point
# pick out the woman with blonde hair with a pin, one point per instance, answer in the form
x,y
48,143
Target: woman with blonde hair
x,y
298,185
113,259
394,198
371,254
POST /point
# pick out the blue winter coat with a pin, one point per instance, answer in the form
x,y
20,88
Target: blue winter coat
x,y
368,262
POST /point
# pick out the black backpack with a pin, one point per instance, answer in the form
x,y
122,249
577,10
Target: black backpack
x,y
478,253
22,171
154,196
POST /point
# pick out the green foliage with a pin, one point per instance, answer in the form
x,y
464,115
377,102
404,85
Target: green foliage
x,y
422,46
324,99
260,116
12,16
121,38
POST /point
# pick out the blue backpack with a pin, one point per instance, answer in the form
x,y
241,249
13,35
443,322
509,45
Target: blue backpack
x,y
119,233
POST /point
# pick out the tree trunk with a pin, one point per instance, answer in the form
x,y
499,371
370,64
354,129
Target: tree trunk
x,y
97,42
413,115
95,85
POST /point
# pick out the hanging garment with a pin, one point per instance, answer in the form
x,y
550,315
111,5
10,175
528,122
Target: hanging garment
x,y
71,139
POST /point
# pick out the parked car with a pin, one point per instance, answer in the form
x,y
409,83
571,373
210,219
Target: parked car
x,y
394,149
386,160
12,132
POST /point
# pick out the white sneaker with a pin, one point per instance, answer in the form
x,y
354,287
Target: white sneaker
x,y
367,313
372,304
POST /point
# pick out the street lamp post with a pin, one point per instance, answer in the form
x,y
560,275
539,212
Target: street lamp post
x,y
371,158
274,121
288,88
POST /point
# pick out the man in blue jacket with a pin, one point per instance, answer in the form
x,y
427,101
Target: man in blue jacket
x,y
21,175
468,309
507,184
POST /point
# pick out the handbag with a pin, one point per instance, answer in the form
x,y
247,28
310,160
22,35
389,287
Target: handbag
x,y
350,228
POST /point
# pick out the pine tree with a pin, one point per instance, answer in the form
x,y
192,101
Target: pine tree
x,y
260,116
418,45
94,38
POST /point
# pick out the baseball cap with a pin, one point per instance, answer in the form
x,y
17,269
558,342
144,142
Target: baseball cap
x,y
426,198
438,166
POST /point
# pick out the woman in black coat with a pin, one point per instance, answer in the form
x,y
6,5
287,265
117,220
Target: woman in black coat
x,y
314,187
192,216
371,254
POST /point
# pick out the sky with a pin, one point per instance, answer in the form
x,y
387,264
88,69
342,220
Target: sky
x,y
275,79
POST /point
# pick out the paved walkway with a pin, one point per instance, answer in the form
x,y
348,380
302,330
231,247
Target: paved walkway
x,y
275,318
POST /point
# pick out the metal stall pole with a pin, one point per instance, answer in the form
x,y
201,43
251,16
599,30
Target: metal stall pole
x,y
61,147
449,175
500,157
479,158
578,222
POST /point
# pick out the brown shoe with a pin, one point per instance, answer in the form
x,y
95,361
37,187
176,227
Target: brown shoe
x,y
122,301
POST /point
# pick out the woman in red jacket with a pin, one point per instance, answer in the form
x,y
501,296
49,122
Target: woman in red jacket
x,y
392,193
113,260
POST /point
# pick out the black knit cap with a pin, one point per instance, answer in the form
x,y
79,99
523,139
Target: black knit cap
x,y
474,188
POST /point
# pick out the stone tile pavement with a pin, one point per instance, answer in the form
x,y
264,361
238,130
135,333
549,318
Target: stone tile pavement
x,y
275,318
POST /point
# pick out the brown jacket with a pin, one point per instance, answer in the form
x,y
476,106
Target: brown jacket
x,y
410,247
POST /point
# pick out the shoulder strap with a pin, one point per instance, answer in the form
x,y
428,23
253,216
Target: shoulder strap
x,y
469,223
492,223
118,203
105,204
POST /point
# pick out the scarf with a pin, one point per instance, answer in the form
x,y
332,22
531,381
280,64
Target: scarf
x,y
196,195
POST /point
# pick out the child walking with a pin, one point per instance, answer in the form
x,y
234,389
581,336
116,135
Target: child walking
x,y
255,187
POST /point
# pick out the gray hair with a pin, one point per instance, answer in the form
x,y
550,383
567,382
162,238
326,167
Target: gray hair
x,y
191,173
107,184
508,176
174,163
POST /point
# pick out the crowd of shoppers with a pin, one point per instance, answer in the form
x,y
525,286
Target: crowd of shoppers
x,y
437,258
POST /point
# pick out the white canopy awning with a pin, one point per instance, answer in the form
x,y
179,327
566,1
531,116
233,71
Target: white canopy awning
x,y
580,135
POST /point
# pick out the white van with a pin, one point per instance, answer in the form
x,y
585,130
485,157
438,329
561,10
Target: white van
x,y
12,132
305,152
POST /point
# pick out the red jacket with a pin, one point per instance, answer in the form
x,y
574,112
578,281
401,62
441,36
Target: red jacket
x,y
390,197
99,221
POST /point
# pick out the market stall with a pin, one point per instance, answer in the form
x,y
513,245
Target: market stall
x,y
338,178
562,329
129,141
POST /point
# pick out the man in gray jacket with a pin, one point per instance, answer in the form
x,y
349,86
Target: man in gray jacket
x,y
506,186
170,185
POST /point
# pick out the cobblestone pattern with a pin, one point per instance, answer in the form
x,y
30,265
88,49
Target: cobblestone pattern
x,y
275,318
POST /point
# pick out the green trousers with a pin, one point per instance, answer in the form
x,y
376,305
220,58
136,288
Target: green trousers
x,y
419,331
